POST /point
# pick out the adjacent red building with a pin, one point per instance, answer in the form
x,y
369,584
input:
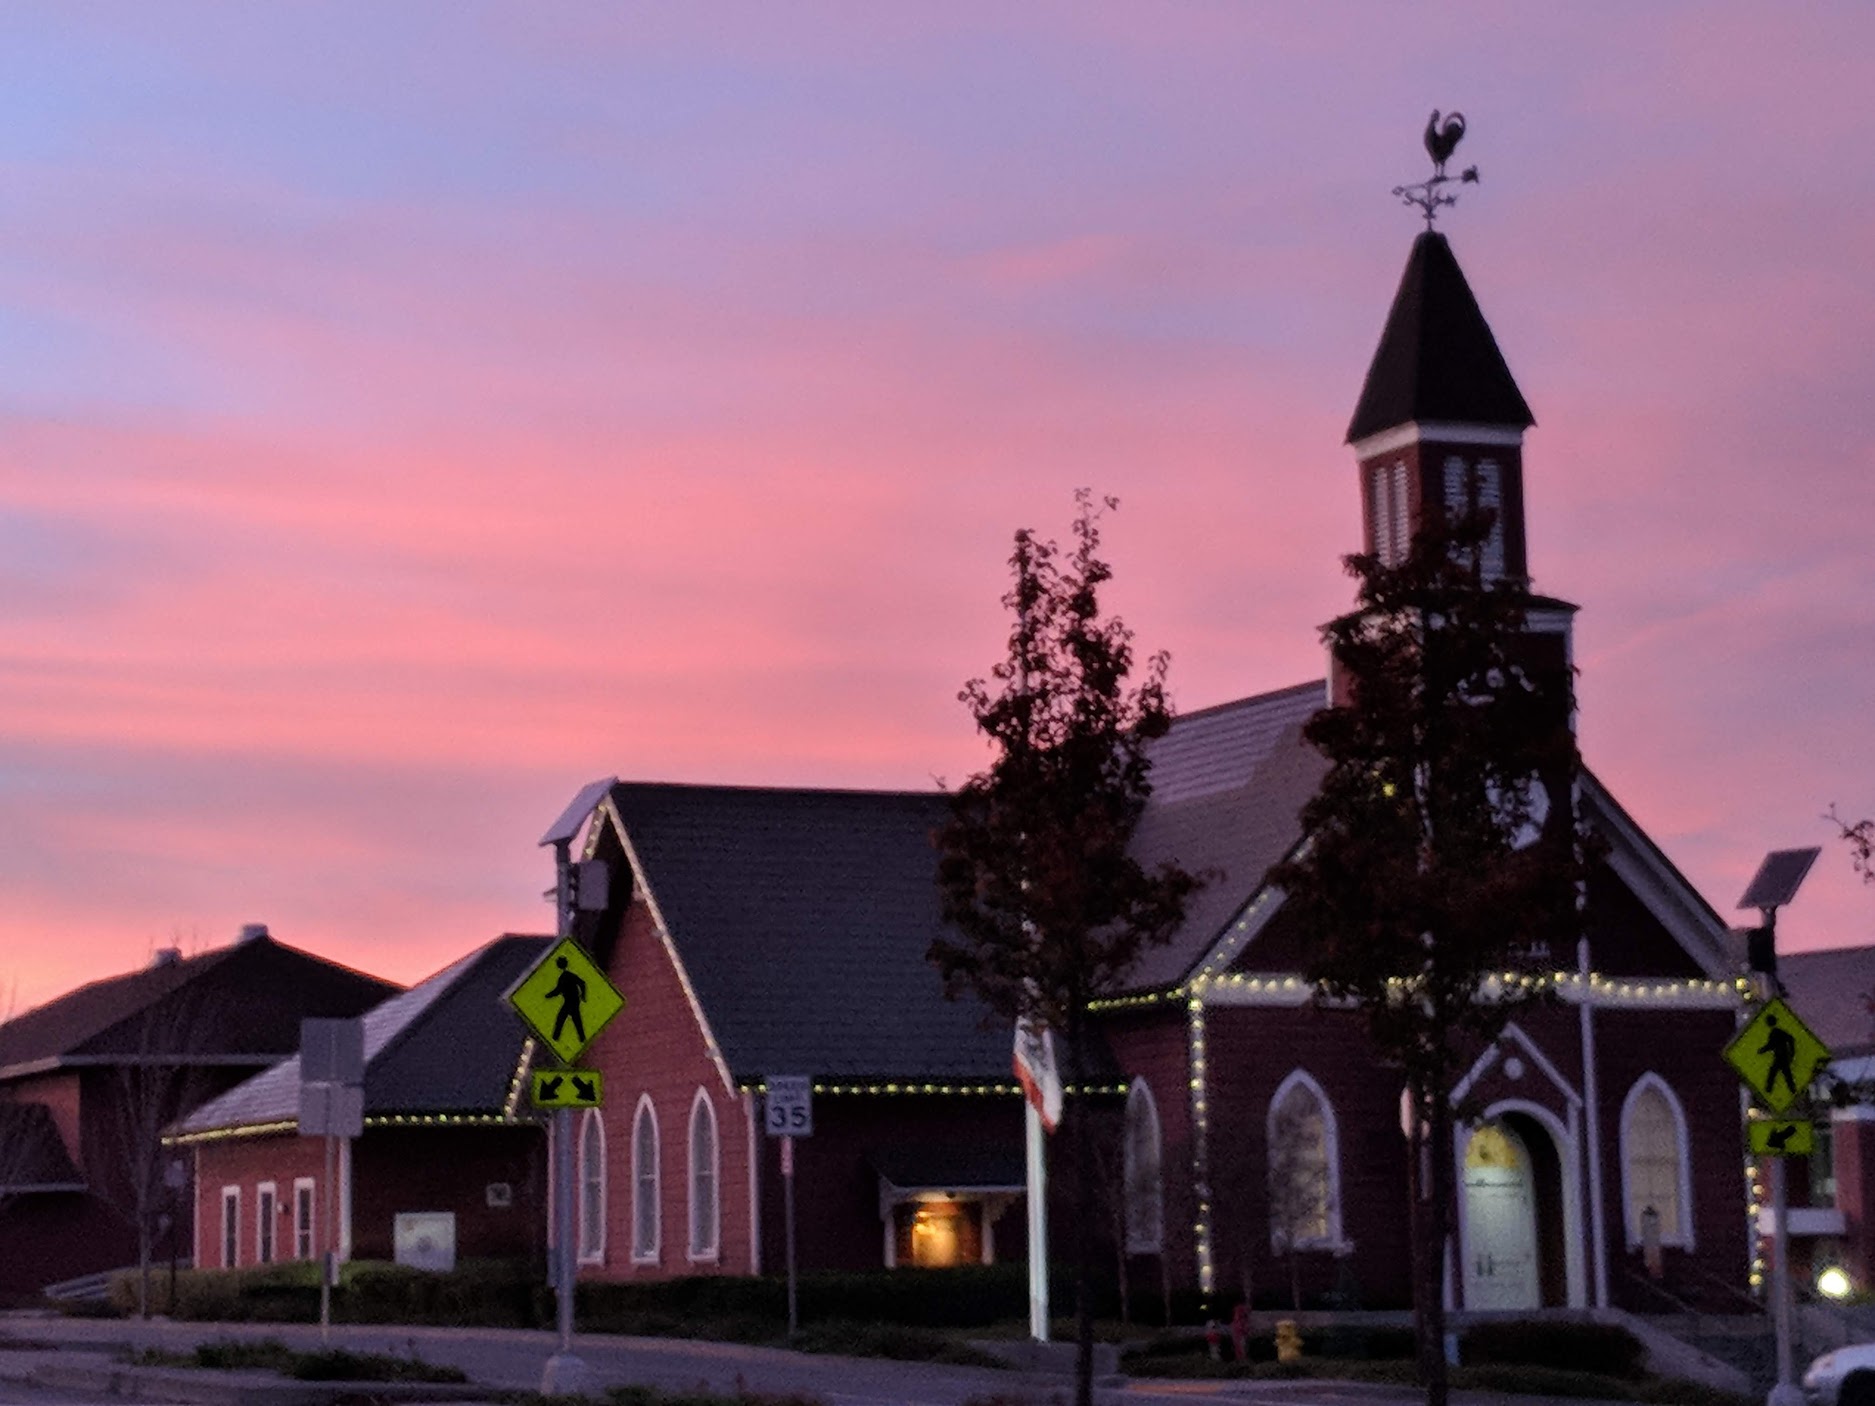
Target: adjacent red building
x,y
451,1155
89,1081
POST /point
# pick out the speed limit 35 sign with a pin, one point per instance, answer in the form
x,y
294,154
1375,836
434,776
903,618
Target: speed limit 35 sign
x,y
788,1107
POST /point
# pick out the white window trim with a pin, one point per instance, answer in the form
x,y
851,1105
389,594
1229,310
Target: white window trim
x,y
648,1254
311,1226
266,1222
707,1254
1139,1093
1630,1213
229,1194
1331,1147
590,1247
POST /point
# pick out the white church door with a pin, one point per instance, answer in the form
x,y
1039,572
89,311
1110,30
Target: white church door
x,y
1500,1222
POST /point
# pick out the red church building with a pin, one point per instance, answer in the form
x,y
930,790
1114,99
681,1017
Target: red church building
x,y
761,931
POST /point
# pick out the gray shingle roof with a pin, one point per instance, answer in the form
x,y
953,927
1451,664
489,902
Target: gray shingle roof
x,y
1834,993
1437,359
447,1045
802,918
1229,784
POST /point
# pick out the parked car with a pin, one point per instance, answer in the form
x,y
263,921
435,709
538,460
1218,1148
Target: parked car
x,y
1845,1377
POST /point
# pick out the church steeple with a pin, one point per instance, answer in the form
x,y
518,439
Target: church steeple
x,y
1440,419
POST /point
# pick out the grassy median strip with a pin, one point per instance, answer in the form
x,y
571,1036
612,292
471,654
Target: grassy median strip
x,y
322,1365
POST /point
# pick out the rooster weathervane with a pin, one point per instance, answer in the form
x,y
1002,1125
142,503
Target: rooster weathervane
x,y
1442,138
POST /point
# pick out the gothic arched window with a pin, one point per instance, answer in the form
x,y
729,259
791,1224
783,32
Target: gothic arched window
x,y
1654,1168
645,1218
704,1217
1145,1179
1304,1168
591,1202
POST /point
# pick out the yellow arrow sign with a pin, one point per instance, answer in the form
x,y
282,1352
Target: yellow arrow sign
x,y
1780,1138
566,999
1777,1055
568,1088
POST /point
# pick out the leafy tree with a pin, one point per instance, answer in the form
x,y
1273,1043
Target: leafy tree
x,y
1046,907
1435,858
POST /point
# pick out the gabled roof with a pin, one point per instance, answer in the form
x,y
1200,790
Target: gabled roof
x,y
1834,993
32,1154
801,919
1229,784
1437,359
236,1004
450,1044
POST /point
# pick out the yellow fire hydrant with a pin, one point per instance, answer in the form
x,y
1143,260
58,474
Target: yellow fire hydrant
x,y
1288,1341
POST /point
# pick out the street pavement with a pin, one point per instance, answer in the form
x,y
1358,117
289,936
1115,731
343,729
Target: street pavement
x,y
510,1359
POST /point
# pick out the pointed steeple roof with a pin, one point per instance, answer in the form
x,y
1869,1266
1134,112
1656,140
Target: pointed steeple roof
x,y
1437,359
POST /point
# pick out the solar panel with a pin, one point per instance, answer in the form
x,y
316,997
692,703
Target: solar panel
x,y
1778,877
574,816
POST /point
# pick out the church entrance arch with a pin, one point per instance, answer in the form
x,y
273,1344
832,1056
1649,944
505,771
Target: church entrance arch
x,y
1514,1243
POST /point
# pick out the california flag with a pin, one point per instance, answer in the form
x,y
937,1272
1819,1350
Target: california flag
x,y
1037,1072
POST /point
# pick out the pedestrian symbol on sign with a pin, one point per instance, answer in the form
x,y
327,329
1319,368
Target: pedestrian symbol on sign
x,y
570,992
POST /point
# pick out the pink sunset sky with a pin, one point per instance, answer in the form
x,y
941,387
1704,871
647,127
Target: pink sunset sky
x,y
411,412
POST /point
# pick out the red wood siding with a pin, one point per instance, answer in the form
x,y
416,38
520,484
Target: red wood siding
x,y
246,1163
393,1170
1250,1051
59,1092
836,1187
656,1048
450,1169
1683,1048
1154,1045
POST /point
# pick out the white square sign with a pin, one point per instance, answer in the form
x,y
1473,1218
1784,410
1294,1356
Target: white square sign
x,y
788,1106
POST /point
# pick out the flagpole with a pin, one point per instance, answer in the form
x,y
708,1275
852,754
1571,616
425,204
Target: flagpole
x,y
1037,1183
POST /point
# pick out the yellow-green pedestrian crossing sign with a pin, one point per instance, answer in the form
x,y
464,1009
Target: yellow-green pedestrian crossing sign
x,y
1777,1055
566,999
1780,1137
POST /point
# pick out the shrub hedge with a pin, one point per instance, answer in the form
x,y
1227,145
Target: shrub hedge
x,y
1603,1348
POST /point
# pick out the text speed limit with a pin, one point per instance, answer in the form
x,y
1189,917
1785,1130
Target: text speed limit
x,y
788,1106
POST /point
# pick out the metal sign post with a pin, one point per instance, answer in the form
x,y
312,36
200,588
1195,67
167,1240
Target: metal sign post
x,y
788,1113
331,1105
1777,1056
567,1000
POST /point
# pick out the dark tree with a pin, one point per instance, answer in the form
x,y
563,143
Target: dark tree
x,y
1047,908
1859,835
1441,850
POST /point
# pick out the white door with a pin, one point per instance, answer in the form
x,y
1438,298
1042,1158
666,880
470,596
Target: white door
x,y
1500,1222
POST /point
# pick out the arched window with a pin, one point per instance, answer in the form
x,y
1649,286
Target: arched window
x,y
1654,1168
703,1201
1145,1180
645,1218
591,1201
1304,1168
